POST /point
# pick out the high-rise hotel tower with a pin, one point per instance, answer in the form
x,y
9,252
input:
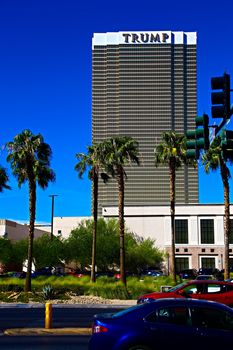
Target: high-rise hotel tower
x,y
145,83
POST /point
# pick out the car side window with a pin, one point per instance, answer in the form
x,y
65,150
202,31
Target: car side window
x,y
199,288
215,288
211,318
227,287
190,289
176,315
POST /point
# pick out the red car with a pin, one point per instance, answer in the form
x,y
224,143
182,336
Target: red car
x,y
219,291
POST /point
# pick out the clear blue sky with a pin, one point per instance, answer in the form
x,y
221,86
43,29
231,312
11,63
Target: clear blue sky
x,y
45,80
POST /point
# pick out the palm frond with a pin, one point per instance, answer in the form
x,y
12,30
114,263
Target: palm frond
x,y
172,148
4,179
29,151
119,152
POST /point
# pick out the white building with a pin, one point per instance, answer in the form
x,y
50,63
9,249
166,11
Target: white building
x,y
15,231
62,226
199,231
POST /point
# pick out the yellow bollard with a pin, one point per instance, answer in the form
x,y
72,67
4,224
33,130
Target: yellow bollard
x,y
48,315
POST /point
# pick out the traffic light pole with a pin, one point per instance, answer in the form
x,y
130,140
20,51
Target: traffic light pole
x,y
220,126
52,196
198,139
223,122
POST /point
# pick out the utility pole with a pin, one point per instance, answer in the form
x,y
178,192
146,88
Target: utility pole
x,y
52,196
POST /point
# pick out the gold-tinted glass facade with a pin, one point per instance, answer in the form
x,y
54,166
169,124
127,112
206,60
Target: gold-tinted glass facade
x,y
141,91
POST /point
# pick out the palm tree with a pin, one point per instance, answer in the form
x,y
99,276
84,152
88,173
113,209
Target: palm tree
x,y
213,160
93,160
3,179
119,152
172,152
29,157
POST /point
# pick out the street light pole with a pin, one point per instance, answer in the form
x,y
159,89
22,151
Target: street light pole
x,y
52,196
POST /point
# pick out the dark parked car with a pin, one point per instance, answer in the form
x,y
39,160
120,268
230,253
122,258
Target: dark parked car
x,y
152,273
205,277
79,273
214,290
208,271
11,274
165,324
211,271
45,271
21,274
188,274
117,275
104,274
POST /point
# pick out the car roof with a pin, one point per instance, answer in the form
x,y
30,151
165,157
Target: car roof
x,y
187,302
146,308
208,281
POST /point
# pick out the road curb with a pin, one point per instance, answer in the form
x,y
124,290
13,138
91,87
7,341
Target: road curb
x,y
40,305
43,331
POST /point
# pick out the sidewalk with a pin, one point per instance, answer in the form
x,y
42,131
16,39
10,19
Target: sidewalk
x,y
113,303
43,331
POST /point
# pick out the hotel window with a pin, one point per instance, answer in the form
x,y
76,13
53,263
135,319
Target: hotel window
x,y
207,231
181,231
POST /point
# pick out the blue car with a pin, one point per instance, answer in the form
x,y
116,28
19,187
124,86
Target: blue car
x,y
165,324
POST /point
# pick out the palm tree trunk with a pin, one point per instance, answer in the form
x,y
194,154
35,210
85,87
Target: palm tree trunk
x,y
32,213
95,217
226,217
172,211
120,179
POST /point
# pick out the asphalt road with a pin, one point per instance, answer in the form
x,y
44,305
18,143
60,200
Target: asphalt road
x,y
34,316
62,316
52,342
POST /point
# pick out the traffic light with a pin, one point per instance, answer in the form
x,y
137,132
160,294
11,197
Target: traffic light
x,y
221,99
192,151
227,144
202,134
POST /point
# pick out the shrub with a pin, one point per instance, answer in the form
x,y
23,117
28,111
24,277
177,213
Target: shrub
x,y
105,287
4,297
23,297
109,291
48,292
10,287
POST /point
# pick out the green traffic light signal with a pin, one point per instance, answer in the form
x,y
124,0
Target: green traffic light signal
x,y
192,151
191,134
202,134
227,144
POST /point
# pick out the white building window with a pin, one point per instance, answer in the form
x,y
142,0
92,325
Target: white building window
x,y
181,231
207,231
208,262
182,263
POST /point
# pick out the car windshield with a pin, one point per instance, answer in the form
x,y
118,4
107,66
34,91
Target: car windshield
x,y
173,289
